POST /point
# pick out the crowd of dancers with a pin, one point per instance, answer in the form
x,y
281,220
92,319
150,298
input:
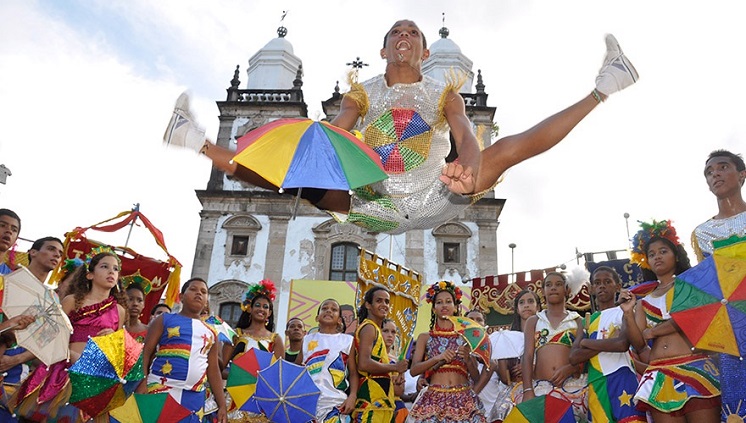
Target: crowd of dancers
x,y
626,362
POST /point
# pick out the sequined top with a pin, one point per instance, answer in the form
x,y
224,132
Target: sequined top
x,y
406,126
716,229
92,319
564,334
439,342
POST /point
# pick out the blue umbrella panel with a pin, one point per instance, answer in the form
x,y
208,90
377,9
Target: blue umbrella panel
x,y
286,393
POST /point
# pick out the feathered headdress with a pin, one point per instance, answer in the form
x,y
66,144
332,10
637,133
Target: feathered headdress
x,y
441,286
661,229
265,287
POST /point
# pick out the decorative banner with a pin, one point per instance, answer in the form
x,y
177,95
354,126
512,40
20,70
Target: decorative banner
x,y
403,284
495,294
160,274
630,273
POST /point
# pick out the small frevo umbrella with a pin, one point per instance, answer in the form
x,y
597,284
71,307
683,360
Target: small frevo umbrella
x,y
302,153
475,336
286,393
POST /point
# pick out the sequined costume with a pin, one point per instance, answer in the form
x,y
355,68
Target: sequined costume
x,y
48,388
732,369
612,380
179,366
406,126
245,342
375,395
447,404
325,356
573,389
717,229
668,383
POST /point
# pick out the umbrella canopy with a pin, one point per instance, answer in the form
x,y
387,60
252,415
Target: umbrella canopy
x,y
224,330
286,393
475,336
709,300
506,344
150,408
49,336
242,377
107,372
302,153
543,409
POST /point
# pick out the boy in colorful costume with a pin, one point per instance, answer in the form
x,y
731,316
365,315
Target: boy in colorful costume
x,y
612,381
180,354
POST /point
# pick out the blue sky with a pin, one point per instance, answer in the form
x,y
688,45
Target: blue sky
x,y
86,89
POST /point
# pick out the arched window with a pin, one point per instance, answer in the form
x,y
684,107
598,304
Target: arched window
x,y
230,312
345,257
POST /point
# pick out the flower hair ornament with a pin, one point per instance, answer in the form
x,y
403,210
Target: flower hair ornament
x,y
69,266
660,229
265,287
441,286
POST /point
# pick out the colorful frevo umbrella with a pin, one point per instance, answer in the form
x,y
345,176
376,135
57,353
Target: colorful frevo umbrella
x,y
286,393
543,409
151,408
242,377
709,301
224,330
302,153
107,372
475,336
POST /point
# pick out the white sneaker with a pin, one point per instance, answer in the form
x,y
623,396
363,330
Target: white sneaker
x,y
617,73
182,130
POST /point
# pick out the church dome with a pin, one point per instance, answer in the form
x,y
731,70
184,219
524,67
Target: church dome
x,y
445,45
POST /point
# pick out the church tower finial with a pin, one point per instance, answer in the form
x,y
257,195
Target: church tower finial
x,y
282,31
444,31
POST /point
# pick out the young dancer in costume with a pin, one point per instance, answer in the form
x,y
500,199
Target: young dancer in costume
x,y
725,173
255,329
390,338
181,354
414,159
96,307
445,359
326,355
679,385
526,304
611,375
136,303
546,368
375,395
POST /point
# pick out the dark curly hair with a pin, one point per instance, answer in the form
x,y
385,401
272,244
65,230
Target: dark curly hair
x,y
682,259
80,286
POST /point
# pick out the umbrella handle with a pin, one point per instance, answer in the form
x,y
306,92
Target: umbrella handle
x,y
8,328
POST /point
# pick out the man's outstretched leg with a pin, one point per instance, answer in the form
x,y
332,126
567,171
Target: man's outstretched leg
x,y
615,74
